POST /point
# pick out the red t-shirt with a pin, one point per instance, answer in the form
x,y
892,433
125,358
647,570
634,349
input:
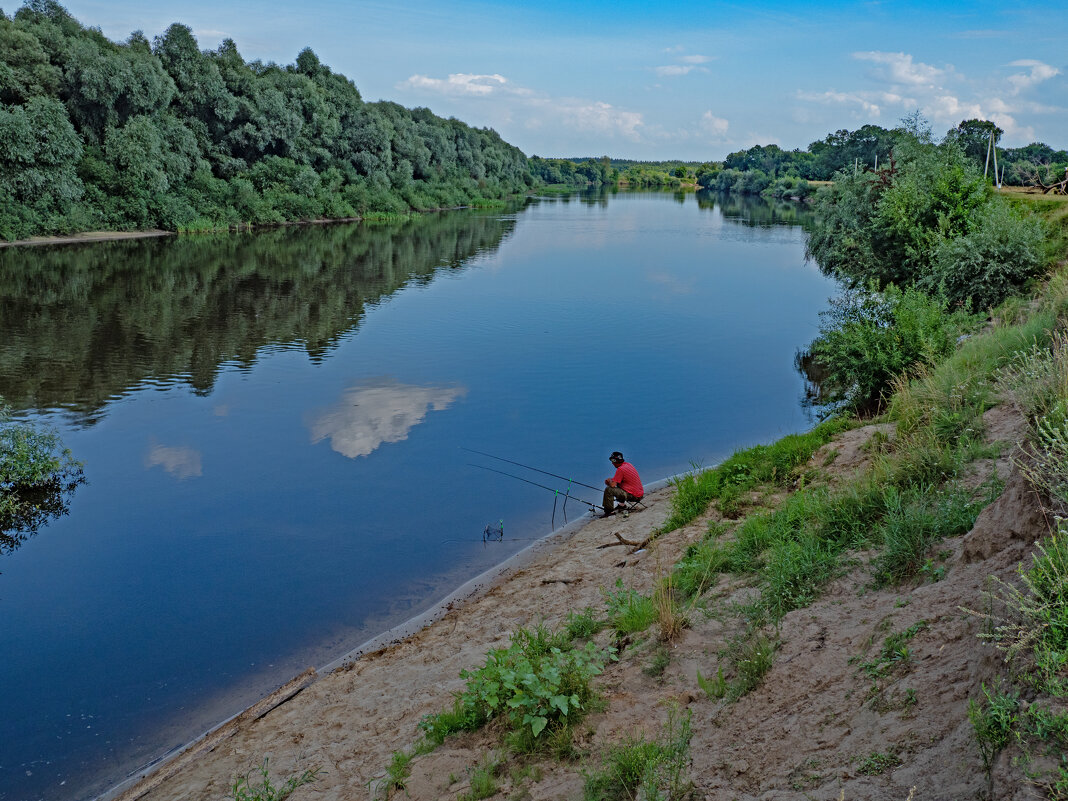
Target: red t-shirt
x,y
627,477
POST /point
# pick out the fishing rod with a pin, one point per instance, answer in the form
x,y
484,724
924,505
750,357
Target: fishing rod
x,y
528,467
556,493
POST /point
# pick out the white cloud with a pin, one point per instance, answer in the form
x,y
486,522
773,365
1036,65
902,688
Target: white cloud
x,y
899,68
513,104
596,116
673,69
378,411
831,97
182,463
695,59
462,83
1039,72
713,125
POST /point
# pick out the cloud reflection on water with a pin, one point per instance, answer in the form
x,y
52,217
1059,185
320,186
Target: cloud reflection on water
x,y
378,411
182,463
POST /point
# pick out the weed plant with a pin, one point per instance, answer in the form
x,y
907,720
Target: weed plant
x,y
462,717
483,780
642,768
877,763
245,788
1033,632
583,625
539,681
993,720
628,611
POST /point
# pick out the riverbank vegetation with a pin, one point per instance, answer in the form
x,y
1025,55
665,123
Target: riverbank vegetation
x,y
100,135
37,477
917,363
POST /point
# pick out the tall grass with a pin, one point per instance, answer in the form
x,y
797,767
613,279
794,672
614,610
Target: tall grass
x,y
774,464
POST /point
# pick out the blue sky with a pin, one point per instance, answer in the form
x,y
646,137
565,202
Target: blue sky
x,y
652,80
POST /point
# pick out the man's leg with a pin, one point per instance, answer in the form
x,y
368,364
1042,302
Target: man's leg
x,y
611,495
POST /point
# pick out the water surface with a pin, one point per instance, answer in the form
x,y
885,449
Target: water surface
x,y
272,426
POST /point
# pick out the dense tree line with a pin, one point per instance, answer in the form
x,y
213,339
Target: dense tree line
x,y
770,170
98,134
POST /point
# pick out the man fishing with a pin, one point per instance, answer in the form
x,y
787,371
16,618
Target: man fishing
x,y
624,486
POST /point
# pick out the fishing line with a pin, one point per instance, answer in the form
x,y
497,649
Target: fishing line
x,y
528,467
536,484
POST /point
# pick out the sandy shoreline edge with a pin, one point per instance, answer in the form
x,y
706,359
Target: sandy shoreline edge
x,y
149,775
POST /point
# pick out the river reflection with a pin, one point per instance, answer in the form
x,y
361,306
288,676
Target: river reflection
x,y
378,411
272,427
83,324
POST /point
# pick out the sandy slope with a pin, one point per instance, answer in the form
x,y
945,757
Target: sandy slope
x,y
809,731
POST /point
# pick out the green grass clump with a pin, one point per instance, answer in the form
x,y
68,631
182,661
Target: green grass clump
x,y
751,656
876,763
763,464
1034,631
583,625
701,563
462,717
642,768
629,611
915,521
483,780
245,789
993,720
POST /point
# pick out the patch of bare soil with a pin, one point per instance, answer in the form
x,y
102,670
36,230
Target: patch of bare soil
x,y
832,719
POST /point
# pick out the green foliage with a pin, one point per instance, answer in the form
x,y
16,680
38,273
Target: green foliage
x,y
642,768
744,470
914,521
37,477
868,338
539,682
877,763
627,610
100,134
993,721
990,262
245,789
927,218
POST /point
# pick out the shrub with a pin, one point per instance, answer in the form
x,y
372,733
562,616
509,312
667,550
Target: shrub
x,y
867,338
535,681
37,476
994,259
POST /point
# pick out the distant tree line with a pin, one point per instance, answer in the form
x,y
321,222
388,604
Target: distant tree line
x,y
770,170
101,135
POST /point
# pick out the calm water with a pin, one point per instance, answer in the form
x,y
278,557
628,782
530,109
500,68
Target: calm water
x,y
272,424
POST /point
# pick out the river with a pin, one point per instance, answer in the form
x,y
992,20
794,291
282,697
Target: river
x,y
273,428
